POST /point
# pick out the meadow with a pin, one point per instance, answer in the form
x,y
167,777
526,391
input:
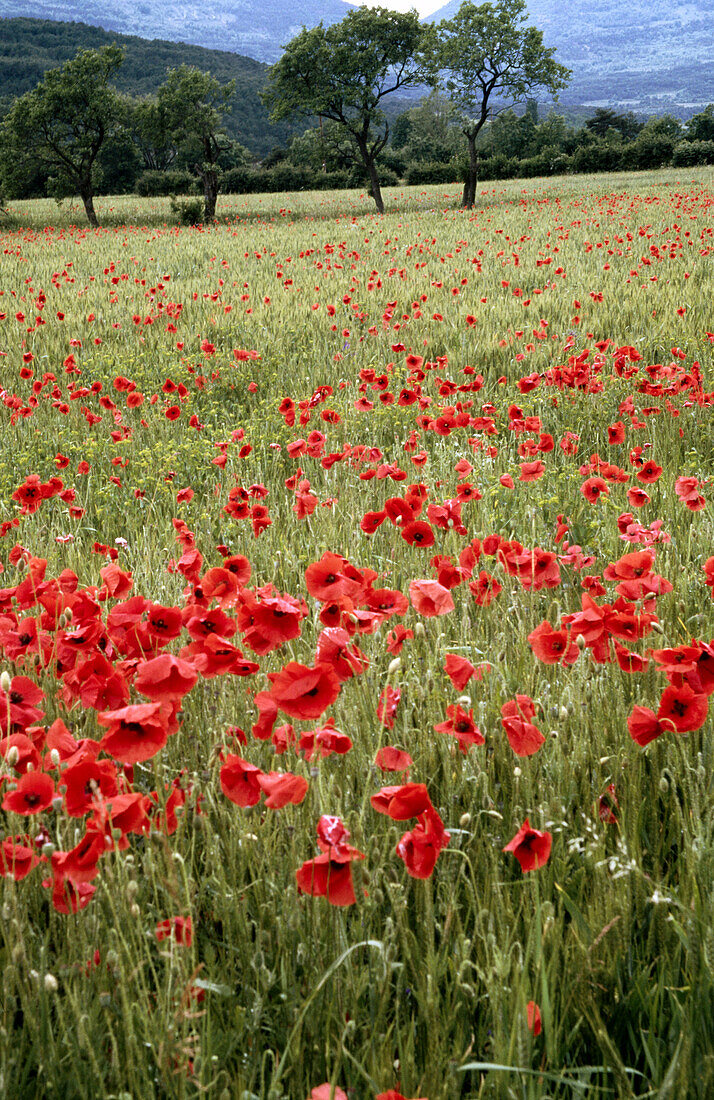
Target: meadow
x,y
356,642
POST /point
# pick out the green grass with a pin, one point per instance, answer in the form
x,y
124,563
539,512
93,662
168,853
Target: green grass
x,y
422,985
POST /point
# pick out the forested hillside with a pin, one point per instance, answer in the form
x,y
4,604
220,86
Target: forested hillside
x,y
28,47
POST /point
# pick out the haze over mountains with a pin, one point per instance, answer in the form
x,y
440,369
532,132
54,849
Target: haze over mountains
x,y
647,54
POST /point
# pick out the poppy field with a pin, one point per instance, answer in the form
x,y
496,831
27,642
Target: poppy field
x,y
356,645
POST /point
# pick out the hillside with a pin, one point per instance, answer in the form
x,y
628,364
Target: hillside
x,y
649,54
257,28
28,47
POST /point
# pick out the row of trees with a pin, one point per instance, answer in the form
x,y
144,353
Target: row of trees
x,y
74,129
340,75
58,129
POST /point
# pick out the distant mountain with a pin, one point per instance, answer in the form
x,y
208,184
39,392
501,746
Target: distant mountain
x,y
651,55
256,28
28,47
648,54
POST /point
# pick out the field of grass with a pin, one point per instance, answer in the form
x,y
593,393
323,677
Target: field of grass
x,y
356,642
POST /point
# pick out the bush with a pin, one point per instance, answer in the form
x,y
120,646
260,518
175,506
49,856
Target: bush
x,y
152,183
689,153
187,211
598,156
649,151
433,172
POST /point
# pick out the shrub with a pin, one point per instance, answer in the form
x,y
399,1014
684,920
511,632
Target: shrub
x,y
152,183
689,153
187,211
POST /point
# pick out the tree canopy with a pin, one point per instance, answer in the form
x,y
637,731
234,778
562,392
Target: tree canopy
x,y
59,127
488,54
191,104
343,72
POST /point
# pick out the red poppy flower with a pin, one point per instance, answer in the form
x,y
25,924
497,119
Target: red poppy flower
x,y
418,533
135,733
33,794
402,802
430,599
303,692
239,781
530,847
16,859
420,847
391,759
460,724
485,589
179,929
593,487
281,788
329,875
387,706
533,1017
165,678
644,725
682,709
551,646
459,670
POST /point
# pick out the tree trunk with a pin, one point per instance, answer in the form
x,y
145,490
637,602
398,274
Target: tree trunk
x,y
469,196
88,200
371,167
210,194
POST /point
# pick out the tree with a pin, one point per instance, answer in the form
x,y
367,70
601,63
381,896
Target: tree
x,y
606,119
488,56
701,127
190,104
343,72
59,127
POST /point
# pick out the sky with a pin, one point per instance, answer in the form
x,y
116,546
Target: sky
x,y
424,7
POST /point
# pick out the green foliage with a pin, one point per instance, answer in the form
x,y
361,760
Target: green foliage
x,y
343,72
28,47
187,211
190,105
60,127
488,54
606,119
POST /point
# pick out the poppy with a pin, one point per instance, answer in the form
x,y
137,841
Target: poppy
x,y
533,1018
459,670
281,788
644,725
682,709
530,847
329,875
420,847
391,759
551,646
402,802
239,781
430,599
165,678
135,733
460,724
179,929
303,692
16,859
32,794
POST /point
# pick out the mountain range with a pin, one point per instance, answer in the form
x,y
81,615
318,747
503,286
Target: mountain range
x,y
651,55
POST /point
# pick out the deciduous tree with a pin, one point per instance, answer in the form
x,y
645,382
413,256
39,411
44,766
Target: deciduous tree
x,y
59,127
489,60
343,72
190,104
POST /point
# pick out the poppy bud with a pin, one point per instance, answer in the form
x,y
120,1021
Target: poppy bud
x,y
13,755
50,983
5,681
394,666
